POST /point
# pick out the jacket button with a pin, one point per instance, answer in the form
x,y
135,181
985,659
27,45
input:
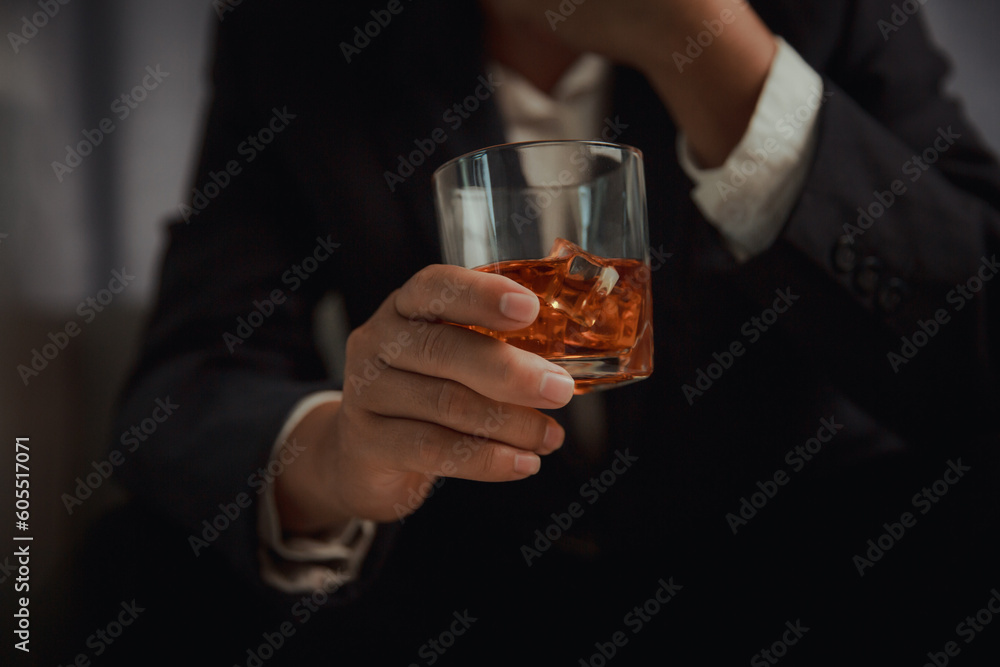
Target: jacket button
x,y
890,294
845,256
868,275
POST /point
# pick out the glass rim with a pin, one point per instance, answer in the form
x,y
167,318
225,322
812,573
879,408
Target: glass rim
x,y
528,144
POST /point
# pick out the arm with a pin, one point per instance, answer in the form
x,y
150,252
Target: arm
x,y
711,95
231,338
874,282
865,294
236,383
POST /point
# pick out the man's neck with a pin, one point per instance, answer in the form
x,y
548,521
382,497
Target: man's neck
x,y
535,55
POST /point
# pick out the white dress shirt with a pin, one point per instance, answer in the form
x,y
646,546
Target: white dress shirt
x,y
747,199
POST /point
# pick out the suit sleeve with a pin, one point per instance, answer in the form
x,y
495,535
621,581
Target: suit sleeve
x,y
230,341
893,243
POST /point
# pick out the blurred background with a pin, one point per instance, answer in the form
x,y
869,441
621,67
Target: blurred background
x,y
63,231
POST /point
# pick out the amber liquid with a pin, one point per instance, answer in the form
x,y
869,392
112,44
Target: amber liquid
x,y
607,341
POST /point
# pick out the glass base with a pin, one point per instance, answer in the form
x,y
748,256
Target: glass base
x,y
598,373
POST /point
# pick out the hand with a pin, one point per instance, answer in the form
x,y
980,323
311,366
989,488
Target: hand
x,y
424,399
711,91
600,26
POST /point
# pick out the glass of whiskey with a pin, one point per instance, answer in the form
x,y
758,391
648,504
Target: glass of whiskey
x,y
566,219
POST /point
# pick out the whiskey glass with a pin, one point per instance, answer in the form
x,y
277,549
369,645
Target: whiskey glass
x,y
566,219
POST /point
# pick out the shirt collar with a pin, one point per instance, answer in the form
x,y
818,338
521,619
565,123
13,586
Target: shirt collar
x,y
587,79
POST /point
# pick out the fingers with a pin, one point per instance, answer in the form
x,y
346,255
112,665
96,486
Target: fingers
x,y
404,335
488,366
467,297
430,449
457,407
425,396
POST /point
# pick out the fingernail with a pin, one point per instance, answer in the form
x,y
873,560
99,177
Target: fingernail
x,y
556,388
527,464
554,436
520,307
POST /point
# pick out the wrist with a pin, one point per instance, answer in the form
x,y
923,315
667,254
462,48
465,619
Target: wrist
x,y
304,493
709,68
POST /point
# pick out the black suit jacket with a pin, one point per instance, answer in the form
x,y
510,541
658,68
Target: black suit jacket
x,y
669,517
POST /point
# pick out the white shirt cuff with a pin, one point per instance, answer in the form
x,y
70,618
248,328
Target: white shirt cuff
x,y
751,195
300,564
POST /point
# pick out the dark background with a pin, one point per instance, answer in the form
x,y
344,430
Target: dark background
x,y
59,241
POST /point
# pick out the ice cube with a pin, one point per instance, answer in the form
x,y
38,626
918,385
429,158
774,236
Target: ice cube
x,y
585,266
581,268
564,248
586,283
